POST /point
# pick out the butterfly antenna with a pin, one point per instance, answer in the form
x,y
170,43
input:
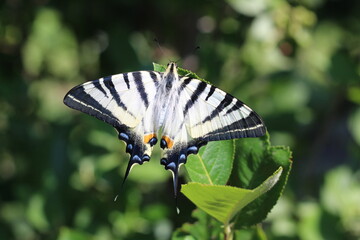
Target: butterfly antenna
x,y
159,46
194,50
177,61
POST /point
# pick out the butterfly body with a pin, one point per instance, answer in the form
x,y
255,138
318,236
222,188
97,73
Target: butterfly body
x,y
180,112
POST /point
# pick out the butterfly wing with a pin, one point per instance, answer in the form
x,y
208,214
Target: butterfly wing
x,y
216,115
123,101
209,114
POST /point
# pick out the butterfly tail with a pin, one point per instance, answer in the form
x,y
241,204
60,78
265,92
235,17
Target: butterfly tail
x,y
172,163
173,159
136,149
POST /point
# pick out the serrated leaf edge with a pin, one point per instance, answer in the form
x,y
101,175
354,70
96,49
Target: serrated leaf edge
x,y
182,72
267,185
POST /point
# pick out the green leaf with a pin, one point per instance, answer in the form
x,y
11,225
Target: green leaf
x,y
205,227
224,202
181,71
213,163
251,233
159,67
255,160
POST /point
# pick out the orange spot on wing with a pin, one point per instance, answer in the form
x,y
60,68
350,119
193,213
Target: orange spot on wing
x,y
148,137
168,141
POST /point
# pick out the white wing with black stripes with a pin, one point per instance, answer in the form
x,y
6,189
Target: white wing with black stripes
x,y
122,101
216,115
209,114
187,113
118,100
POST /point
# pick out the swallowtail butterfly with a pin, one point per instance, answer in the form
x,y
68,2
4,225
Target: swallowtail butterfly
x,y
180,112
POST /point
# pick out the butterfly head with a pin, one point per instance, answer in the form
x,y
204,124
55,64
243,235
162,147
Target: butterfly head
x,y
171,73
171,67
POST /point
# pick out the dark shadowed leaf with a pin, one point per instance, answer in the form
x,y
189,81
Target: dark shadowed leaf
x,y
255,160
205,227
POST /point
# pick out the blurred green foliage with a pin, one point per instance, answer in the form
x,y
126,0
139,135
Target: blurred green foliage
x,y
295,62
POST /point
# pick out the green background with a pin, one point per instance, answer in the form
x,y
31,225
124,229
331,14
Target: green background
x,y
297,63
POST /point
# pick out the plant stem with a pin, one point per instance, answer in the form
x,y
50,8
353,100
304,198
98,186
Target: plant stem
x,y
228,234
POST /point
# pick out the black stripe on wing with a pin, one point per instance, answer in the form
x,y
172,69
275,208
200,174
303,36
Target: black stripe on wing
x,y
223,104
155,77
195,96
110,86
211,91
77,98
238,104
251,126
185,82
99,87
126,79
140,87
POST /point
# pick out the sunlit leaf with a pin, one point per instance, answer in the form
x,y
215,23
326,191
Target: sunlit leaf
x,y
213,164
224,202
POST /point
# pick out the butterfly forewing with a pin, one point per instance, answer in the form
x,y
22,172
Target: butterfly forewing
x,y
216,115
116,99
